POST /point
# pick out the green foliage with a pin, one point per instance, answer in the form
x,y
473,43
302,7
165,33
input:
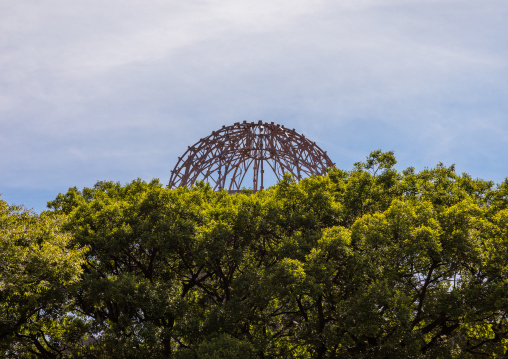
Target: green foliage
x,y
367,263
37,270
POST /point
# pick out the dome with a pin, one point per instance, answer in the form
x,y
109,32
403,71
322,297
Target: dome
x,y
237,156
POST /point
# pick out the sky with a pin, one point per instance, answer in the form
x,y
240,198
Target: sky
x,y
115,90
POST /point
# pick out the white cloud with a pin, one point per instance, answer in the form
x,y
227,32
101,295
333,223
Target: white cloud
x,y
97,36
95,88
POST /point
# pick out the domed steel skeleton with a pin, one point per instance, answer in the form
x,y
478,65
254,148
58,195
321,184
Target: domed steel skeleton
x,y
224,158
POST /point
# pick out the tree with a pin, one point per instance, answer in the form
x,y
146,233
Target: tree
x,y
367,263
37,269
415,266
169,271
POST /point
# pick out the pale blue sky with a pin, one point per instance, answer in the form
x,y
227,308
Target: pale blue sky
x,y
114,90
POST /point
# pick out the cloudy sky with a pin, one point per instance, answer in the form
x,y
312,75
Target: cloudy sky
x,y
115,90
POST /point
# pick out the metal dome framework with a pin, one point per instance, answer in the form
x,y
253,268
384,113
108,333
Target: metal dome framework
x,y
224,158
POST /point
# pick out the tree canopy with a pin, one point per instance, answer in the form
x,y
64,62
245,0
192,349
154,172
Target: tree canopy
x,y
38,266
366,263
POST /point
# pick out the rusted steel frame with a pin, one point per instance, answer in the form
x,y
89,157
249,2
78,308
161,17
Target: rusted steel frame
x,y
209,168
191,174
230,152
208,165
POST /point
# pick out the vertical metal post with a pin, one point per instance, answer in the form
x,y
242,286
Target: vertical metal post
x,y
262,160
